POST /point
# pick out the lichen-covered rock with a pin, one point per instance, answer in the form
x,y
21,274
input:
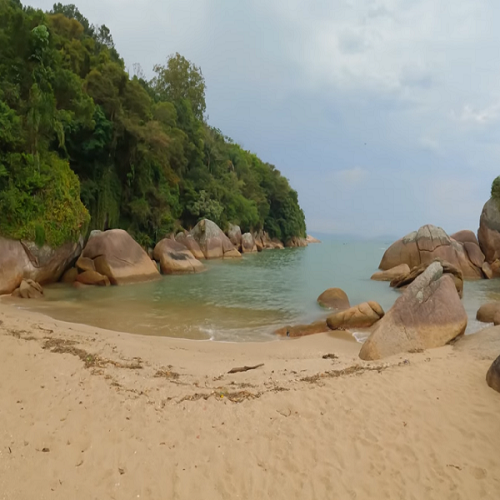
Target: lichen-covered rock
x,y
493,375
334,298
213,242
119,257
428,314
391,274
175,258
430,243
248,243
361,316
25,260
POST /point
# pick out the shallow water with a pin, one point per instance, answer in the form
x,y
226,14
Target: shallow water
x,y
241,300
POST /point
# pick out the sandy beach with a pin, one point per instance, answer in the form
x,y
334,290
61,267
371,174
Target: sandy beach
x,y
93,414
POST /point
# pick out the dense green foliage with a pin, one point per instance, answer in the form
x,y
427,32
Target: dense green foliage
x,y
144,157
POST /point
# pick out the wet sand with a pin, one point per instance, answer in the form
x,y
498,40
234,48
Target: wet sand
x,y
92,414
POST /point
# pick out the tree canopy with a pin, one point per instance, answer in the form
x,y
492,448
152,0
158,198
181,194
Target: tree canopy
x,y
84,145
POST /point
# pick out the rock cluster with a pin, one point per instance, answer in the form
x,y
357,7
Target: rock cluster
x,y
430,243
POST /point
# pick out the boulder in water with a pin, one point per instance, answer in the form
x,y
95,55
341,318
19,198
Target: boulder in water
x,y
175,258
70,275
391,274
430,243
235,236
487,312
428,314
248,243
213,242
361,316
119,257
92,278
404,281
334,298
191,244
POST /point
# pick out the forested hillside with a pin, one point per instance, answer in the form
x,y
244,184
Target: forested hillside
x,y
85,145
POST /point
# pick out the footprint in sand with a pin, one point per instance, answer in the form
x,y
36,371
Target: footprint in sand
x,y
478,473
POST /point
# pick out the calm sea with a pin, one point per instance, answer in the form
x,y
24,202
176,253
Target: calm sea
x,y
243,300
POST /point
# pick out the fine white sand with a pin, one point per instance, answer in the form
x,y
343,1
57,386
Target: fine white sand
x,y
92,414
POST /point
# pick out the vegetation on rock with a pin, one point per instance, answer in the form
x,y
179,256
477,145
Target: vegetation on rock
x,y
144,157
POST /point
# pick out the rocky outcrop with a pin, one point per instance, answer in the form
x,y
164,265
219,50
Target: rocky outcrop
x,y
493,375
235,236
25,260
489,235
92,278
175,258
404,281
213,242
296,242
303,330
191,244
248,243
312,239
397,272
361,316
487,312
70,275
119,257
28,289
334,298
428,314
431,242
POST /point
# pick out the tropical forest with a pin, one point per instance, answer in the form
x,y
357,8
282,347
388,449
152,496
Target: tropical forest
x,y
87,144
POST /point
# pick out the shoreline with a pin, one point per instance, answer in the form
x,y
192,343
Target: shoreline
x,y
129,416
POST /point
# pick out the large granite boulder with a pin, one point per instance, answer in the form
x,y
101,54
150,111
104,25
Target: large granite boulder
x,y
303,330
458,279
235,236
119,257
248,243
213,242
489,235
428,314
191,244
175,258
493,375
25,260
392,274
361,316
487,312
334,298
431,242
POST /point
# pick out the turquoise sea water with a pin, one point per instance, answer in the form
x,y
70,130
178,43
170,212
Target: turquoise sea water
x,y
242,300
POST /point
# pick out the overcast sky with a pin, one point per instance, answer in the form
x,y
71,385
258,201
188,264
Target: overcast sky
x,y
383,114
